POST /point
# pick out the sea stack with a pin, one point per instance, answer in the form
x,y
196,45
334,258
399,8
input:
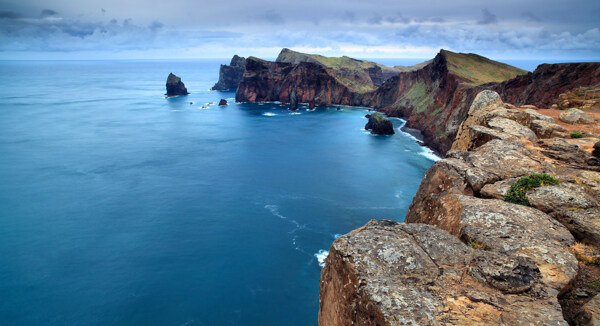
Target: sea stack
x,y
294,99
230,75
379,125
175,86
222,102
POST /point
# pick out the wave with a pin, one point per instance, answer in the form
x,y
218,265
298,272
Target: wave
x,y
269,114
295,113
428,153
321,255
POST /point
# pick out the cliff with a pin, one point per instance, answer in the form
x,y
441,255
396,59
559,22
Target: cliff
x,y
175,86
504,231
230,75
433,96
543,86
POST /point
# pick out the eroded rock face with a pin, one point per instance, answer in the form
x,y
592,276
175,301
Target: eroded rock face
x,y
379,125
547,81
230,75
175,86
388,273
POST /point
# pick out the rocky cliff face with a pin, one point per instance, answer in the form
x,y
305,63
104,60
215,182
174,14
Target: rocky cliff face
x,y
274,81
547,82
230,75
175,86
480,259
434,97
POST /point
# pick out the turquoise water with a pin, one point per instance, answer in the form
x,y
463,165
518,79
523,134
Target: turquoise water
x,y
118,206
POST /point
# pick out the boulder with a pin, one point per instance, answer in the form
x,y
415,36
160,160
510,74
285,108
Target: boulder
x,y
563,196
389,273
561,150
222,102
596,151
545,129
574,116
379,125
538,116
584,224
511,127
497,190
507,229
175,86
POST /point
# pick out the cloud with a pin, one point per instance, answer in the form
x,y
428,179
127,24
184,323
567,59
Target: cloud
x,y
9,15
530,16
48,13
488,18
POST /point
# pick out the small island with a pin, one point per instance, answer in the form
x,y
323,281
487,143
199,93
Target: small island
x,y
175,86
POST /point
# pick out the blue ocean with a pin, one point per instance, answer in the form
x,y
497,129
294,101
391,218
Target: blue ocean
x,y
119,206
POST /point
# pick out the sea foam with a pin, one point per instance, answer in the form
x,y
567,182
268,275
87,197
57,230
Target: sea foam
x,y
321,256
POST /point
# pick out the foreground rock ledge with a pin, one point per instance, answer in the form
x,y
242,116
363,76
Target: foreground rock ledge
x,y
389,273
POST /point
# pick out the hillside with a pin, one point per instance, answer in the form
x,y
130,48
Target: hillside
x,y
477,70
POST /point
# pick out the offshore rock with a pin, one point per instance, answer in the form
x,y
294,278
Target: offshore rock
x,y
379,125
222,102
294,99
230,75
175,86
389,273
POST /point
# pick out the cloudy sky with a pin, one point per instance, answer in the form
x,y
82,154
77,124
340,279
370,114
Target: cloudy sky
x,y
162,29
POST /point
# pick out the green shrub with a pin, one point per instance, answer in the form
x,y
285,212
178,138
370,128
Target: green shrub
x,y
517,192
576,134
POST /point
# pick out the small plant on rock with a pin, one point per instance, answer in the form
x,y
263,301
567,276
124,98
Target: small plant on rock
x,y
517,194
576,134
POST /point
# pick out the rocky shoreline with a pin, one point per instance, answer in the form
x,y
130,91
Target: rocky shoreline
x,y
465,255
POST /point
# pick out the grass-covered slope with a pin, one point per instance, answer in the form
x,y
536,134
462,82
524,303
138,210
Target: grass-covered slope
x,y
477,70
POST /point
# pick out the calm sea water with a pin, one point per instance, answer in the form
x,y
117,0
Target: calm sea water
x,y
118,206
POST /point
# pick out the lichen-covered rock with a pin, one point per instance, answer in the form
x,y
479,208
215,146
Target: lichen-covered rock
x,y
175,86
565,152
511,127
388,273
538,116
379,125
563,196
545,129
584,224
574,116
497,190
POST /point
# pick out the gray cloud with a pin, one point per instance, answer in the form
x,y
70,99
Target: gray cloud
x,y
10,15
531,16
510,27
488,18
48,13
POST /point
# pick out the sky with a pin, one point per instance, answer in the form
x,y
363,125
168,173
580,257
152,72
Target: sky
x,y
182,29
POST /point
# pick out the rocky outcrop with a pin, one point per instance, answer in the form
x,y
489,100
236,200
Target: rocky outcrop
x,y
230,75
175,86
222,102
388,273
543,86
379,125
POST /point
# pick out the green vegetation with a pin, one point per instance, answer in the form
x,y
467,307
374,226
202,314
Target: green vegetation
x,y
378,117
517,192
479,70
417,96
476,245
594,285
576,134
